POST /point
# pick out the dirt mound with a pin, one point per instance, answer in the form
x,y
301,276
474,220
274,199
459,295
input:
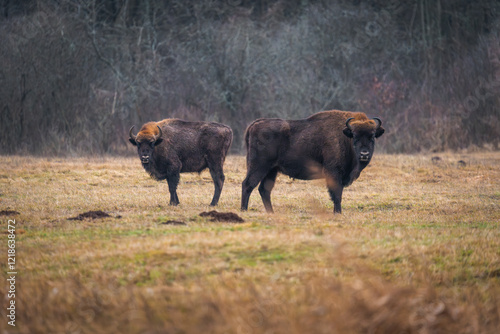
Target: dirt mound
x,y
8,213
229,217
91,214
173,222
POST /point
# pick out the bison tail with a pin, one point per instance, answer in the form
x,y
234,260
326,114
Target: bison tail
x,y
247,136
247,133
229,140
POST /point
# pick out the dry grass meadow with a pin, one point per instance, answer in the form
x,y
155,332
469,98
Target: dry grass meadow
x,y
416,250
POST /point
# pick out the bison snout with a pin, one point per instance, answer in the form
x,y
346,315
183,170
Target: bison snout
x,y
364,155
145,159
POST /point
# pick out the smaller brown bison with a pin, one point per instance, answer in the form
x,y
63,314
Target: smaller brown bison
x,y
336,145
172,146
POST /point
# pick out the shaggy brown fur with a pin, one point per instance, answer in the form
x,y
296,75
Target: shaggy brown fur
x,y
321,146
172,146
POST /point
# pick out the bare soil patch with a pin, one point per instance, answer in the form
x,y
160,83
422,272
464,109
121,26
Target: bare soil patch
x,y
226,217
91,215
173,222
9,213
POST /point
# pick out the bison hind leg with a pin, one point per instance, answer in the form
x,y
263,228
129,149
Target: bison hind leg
x,y
218,178
265,188
215,163
252,180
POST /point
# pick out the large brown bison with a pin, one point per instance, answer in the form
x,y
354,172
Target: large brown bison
x,y
336,145
172,146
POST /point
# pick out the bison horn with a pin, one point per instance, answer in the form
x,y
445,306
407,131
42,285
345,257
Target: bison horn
x,y
347,123
131,134
159,134
378,121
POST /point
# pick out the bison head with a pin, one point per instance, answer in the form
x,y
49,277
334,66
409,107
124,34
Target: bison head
x,y
146,140
363,133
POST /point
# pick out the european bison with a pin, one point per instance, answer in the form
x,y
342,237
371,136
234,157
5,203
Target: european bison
x,y
172,146
336,145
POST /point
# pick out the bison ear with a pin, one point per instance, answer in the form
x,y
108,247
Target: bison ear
x,y
132,140
380,131
348,132
158,141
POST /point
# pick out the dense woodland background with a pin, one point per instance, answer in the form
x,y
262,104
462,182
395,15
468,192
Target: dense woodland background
x,y
76,74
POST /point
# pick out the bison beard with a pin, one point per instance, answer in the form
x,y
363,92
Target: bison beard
x,y
171,146
335,145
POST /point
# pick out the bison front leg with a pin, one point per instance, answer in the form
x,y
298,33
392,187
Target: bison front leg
x,y
335,189
173,182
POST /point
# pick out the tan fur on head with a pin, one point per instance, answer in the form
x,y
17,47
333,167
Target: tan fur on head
x,y
148,132
363,125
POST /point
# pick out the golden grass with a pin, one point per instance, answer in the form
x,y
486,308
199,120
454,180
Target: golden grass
x,y
416,250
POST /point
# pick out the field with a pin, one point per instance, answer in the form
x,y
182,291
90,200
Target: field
x,y
416,250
